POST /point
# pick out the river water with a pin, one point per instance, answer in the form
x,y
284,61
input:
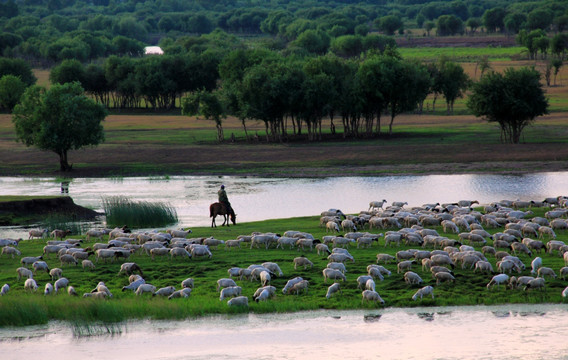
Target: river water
x,y
267,198
473,332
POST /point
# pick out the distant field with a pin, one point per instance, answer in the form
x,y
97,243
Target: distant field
x,y
463,53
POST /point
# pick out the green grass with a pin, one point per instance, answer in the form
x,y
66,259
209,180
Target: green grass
x,y
463,53
139,214
19,308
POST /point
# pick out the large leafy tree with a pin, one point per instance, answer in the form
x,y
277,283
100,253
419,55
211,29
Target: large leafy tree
x,y
59,119
11,89
206,104
513,100
453,82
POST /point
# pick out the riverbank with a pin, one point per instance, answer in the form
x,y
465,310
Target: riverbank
x,y
162,145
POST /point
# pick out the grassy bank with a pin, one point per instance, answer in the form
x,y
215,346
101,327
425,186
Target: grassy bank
x,y
21,308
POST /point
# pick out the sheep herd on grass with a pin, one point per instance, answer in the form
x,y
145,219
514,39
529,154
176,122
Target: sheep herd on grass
x,y
500,232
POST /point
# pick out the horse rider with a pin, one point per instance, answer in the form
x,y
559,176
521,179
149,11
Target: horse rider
x,y
223,199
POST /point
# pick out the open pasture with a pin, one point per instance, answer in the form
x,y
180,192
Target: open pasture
x,y
20,307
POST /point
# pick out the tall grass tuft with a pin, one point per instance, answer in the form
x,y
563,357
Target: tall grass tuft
x,y
120,210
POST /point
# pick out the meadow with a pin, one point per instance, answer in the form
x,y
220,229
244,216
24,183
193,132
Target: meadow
x,y
20,308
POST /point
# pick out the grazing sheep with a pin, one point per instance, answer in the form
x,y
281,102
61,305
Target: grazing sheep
x,y
302,243
37,233
183,293
299,286
60,234
273,267
520,247
29,260
332,274
87,264
412,278
563,272
266,239
229,244
286,240
339,257
225,282
67,259
369,295
537,283
24,272
179,233
8,250
498,280
362,281
188,283
348,225
145,288
386,258
290,283
404,266
5,289
238,301
546,230
30,285
542,271
375,273
375,205
332,289
48,290
331,226
302,261
483,266
322,248
264,293
444,277
179,252
426,290
565,292
40,266
96,295
200,250
165,291
265,278
55,273
370,285
60,284
441,259
71,291
135,282
230,291
536,264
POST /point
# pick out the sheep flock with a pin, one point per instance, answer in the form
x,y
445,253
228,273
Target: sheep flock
x,y
365,258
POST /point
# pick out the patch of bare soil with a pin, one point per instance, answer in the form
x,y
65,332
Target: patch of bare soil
x,y
456,41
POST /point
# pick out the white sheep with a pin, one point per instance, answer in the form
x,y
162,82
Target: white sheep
x,y
498,280
290,283
188,283
537,283
302,261
536,264
444,277
299,286
24,272
369,295
302,243
71,291
87,264
179,233
375,273
224,282
386,258
200,250
5,289
165,291
370,285
264,293
286,240
134,283
483,266
145,288
238,301
332,289
96,295
543,270
331,226
230,291
236,243
563,272
362,281
322,248
332,274
183,293
13,252
37,233
426,290
273,267
266,239
339,257
61,283
404,266
101,287
30,285
29,260
412,278
48,289
375,205
40,266
565,292
337,266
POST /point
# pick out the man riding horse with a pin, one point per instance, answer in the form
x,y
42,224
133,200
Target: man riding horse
x,y
223,199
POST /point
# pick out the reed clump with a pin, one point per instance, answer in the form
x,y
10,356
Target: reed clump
x,y
120,210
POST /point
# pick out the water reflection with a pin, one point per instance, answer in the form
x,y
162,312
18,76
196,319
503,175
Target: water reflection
x,y
473,332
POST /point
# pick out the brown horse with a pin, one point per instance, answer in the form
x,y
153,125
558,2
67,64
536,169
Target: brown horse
x,y
220,209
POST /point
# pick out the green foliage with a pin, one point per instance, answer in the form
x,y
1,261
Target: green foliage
x,y
389,24
11,89
449,25
206,104
19,68
513,100
120,210
68,71
59,119
493,19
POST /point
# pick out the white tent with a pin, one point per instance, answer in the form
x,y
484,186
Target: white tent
x,y
153,50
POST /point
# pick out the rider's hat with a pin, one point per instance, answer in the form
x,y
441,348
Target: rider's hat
x,y
222,186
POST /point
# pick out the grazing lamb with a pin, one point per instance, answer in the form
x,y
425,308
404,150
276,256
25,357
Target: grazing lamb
x,y
369,295
230,291
299,286
498,280
331,226
264,293
404,266
60,284
48,290
444,277
238,301
96,295
370,285
30,285
273,267
223,283
322,248
71,291
24,272
302,261
563,272
332,289
332,274
386,258
134,283
145,288
426,290
5,289
13,252
536,264
543,270
188,283
483,266
290,283
537,283
412,278
67,259
183,293
87,264
55,273
40,266
29,260
339,257
165,291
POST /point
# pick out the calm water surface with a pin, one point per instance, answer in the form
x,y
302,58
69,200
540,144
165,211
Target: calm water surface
x,y
495,332
267,198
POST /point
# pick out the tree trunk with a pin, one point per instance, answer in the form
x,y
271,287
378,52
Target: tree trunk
x,y
63,164
245,128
